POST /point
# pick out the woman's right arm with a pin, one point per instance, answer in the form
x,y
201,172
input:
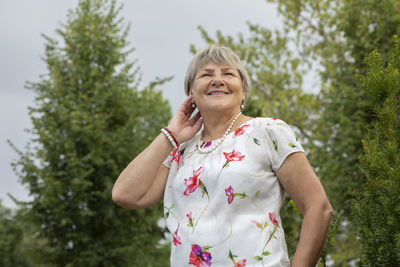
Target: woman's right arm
x,y
142,183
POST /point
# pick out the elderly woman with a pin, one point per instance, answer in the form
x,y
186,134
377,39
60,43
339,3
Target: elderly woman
x,y
222,176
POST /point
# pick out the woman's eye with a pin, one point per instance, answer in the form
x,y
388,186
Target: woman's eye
x,y
229,73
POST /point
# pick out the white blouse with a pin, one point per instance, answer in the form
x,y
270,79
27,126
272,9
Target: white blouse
x,y
222,208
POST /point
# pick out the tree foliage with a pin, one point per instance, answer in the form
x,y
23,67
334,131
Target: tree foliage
x,y
336,36
377,211
11,240
89,120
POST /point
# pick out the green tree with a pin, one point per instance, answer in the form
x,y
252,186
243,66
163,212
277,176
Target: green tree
x,y
89,120
377,211
336,36
11,240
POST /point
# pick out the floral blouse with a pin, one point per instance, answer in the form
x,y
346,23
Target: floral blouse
x,y
222,208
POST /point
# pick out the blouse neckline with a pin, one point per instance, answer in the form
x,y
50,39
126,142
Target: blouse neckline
x,y
211,141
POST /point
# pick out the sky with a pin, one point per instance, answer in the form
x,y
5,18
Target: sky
x,y
161,32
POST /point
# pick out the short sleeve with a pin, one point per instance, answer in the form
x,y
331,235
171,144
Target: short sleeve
x,y
281,142
167,162
175,155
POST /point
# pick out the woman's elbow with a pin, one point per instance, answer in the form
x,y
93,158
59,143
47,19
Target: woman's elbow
x,y
327,209
120,199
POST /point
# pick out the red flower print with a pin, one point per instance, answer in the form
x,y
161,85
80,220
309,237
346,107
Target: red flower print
x,y
176,155
272,217
241,263
200,257
176,239
229,194
259,225
240,130
274,118
193,182
189,215
233,156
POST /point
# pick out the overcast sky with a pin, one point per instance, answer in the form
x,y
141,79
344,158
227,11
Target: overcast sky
x,y
161,31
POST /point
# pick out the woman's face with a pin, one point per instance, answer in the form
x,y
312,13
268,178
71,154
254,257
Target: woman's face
x,y
218,87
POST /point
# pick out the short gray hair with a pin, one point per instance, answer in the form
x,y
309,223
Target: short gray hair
x,y
218,55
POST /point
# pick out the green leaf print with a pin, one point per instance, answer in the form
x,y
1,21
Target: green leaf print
x,y
266,253
256,141
275,144
292,145
258,258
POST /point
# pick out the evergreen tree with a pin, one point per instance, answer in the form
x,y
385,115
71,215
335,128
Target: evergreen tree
x,y
11,239
89,120
377,211
337,36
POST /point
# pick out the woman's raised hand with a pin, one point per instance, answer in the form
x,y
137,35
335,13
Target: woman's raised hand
x,y
182,126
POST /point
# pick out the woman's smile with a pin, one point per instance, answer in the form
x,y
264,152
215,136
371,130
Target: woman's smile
x,y
218,87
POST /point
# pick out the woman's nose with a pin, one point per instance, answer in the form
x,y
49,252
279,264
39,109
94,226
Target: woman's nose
x,y
217,81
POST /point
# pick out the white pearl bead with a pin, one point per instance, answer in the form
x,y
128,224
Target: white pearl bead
x,y
217,143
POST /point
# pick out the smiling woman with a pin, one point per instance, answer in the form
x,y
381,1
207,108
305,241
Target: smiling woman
x,y
223,185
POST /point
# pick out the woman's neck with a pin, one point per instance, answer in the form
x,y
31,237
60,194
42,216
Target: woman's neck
x,y
216,123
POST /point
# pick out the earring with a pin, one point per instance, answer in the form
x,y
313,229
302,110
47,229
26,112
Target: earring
x,y
193,105
242,106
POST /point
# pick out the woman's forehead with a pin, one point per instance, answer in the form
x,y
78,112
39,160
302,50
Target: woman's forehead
x,y
211,66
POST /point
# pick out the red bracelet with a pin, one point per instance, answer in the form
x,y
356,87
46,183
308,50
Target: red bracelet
x,y
172,135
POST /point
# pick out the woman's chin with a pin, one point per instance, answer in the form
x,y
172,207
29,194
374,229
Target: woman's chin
x,y
220,107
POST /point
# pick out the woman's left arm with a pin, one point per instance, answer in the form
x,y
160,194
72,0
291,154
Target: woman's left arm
x,y
303,186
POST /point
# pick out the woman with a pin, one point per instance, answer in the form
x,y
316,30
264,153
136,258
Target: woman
x,y
223,185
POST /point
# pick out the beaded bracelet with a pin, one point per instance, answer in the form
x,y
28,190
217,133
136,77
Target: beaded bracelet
x,y
170,137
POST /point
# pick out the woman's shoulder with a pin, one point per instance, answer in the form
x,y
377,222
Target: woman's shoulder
x,y
266,122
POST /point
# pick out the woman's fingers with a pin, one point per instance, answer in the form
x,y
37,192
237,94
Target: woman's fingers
x,y
186,104
195,118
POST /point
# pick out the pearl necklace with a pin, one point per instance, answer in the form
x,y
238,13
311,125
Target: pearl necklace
x,y
217,143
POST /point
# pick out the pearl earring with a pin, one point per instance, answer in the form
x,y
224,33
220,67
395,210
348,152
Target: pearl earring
x,y
242,106
193,105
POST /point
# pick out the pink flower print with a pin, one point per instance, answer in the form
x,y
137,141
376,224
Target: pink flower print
x,y
233,156
259,225
190,223
240,130
274,118
200,257
272,218
176,239
193,182
176,155
206,144
241,263
229,194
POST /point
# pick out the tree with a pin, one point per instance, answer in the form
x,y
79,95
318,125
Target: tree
x,y
377,211
11,239
337,36
89,120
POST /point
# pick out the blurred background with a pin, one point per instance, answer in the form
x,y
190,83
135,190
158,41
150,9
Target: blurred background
x,y
86,85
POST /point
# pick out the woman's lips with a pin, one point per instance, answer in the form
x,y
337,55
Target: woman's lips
x,y
218,93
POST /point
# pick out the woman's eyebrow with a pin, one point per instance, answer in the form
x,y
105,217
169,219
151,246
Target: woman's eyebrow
x,y
228,69
207,70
